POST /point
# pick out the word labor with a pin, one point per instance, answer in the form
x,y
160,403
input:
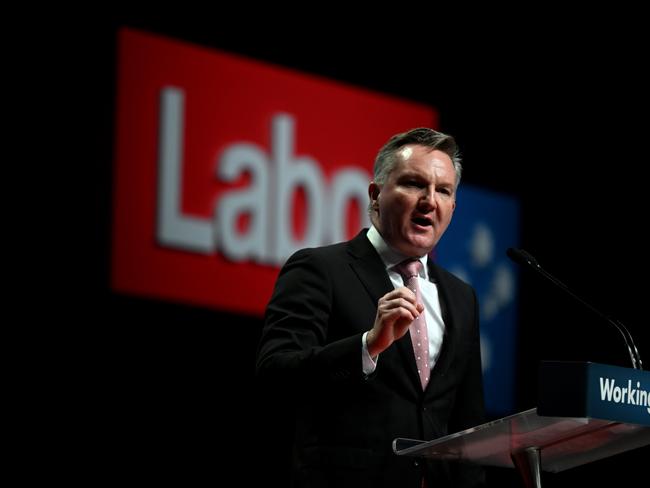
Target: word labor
x,y
274,177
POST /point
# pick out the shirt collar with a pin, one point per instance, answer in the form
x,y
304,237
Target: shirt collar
x,y
388,255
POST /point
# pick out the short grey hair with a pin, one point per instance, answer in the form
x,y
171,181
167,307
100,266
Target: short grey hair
x,y
387,155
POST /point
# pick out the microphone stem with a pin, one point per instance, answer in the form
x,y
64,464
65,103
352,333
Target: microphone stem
x,y
627,337
631,343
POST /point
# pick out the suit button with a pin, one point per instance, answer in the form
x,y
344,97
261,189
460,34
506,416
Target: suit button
x,y
416,463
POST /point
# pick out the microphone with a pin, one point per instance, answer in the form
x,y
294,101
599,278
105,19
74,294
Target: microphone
x,y
523,258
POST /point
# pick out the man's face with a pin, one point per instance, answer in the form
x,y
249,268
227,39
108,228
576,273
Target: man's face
x,y
415,204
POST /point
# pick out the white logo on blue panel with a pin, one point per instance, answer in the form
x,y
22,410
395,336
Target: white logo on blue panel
x,y
485,224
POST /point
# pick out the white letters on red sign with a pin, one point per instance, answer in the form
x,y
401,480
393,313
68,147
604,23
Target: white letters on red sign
x,y
275,176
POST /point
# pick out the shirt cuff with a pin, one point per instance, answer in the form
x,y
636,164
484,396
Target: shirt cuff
x,y
369,365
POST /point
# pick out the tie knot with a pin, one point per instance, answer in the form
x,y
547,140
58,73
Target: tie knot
x,y
409,268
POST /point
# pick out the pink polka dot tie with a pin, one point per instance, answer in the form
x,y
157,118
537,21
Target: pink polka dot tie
x,y
410,271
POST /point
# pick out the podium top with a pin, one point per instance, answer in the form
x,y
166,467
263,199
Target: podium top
x,y
587,411
564,442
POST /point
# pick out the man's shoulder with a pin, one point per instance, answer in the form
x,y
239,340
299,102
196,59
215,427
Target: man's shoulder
x,y
337,249
357,245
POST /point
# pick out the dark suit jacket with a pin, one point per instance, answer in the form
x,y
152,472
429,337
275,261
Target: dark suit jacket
x,y
324,300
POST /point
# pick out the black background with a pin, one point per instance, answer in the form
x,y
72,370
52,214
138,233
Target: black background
x,y
554,113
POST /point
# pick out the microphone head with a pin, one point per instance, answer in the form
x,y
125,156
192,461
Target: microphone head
x,y
520,256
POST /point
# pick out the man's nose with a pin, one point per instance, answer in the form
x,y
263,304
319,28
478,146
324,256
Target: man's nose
x,y
429,199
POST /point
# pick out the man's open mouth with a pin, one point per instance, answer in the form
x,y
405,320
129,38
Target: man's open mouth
x,y
423,221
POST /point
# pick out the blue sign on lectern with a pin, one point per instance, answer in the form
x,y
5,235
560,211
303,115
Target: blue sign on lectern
x,y
593,390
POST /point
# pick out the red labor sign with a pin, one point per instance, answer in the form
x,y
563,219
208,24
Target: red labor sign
x,y
224,166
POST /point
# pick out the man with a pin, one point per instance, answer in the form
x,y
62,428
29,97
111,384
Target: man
x,y
341,328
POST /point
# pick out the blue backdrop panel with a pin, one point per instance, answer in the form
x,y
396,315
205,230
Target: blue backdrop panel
x,y
485,224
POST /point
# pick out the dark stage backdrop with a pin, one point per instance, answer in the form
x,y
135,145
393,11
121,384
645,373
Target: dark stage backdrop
x,y
561,124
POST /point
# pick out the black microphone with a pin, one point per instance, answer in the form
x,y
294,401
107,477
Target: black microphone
x,y
523,258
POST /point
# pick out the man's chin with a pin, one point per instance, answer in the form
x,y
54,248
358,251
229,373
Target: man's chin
x,y
418,247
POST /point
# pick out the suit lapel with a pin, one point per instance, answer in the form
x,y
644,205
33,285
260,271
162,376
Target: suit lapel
x,y
444,360
369,267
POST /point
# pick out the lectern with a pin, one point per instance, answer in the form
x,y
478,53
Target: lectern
x,y
586,412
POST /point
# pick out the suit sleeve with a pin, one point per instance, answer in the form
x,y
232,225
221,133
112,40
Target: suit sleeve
x,y
294,345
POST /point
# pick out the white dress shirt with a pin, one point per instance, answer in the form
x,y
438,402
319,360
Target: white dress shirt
x,y
428,290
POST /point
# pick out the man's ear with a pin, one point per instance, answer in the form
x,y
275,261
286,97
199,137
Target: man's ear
x,y
373,194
